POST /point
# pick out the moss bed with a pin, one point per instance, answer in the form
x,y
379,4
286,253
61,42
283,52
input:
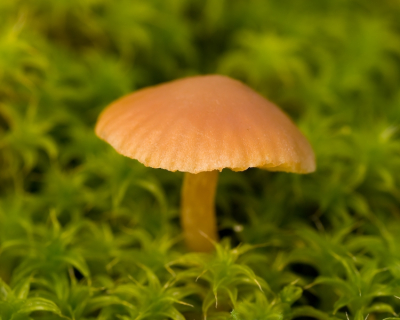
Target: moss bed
x,y
88,234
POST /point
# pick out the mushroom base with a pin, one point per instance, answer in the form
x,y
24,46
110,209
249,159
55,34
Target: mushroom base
x,y
198,210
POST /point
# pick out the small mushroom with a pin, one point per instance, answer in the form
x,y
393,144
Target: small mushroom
x,y
201,125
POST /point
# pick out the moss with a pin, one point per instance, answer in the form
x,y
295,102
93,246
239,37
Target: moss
x,y
88,234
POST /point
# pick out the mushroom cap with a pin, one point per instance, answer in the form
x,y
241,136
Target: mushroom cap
x,y
204,123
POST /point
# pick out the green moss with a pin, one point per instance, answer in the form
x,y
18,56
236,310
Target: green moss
x,y
88,234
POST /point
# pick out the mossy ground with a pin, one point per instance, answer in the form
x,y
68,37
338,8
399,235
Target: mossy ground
x,y
88,234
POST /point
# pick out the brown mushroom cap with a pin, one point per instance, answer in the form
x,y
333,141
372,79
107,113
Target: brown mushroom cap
x,y
204,123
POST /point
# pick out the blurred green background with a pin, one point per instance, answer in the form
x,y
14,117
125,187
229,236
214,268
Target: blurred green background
x,y
88,234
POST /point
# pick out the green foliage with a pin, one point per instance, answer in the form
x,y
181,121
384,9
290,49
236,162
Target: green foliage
x,y
16,305
88,234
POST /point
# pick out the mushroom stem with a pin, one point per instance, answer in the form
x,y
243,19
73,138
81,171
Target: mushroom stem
x,y
198,210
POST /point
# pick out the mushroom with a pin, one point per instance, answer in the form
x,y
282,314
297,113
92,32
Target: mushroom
x,y
201,125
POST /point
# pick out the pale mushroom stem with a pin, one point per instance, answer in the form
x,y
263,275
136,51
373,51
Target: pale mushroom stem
x,y
198,210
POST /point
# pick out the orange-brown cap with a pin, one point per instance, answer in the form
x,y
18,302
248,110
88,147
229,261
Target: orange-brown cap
x,y
204,123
